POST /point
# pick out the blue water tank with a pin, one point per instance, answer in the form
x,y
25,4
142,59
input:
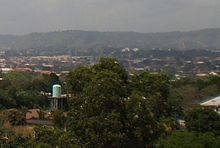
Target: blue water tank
x,y
56,91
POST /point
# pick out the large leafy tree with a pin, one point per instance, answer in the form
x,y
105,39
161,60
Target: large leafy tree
x,y
114,111
99,122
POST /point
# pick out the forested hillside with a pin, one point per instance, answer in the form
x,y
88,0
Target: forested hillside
x,y
202,39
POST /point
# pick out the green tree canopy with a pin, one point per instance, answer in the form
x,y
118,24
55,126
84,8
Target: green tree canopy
x,y
79,79
112,65
99,120
203,120
184,139
16,117
155,87
115,110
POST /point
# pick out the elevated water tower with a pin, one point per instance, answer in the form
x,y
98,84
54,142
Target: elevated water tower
x,y
56,91
58,101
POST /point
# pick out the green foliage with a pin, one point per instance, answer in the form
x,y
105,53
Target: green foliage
x,y
18,141
44,83
82,76
79,79
59,119
6,99
41,114
40,84
106,92
16,117
117,111
43,145
184,139
22,89
151,84
46,135
175,104
210,90
203,120
113,65
214,80
49,137
20,80
31,99
155,88
195,89
8,139
143,126
98,119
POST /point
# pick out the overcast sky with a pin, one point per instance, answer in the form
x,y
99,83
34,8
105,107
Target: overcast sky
x,y
25,16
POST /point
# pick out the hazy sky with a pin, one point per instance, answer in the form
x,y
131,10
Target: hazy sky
x,y
25,16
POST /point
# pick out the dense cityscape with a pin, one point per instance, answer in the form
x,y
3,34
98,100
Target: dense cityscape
x,y
176,63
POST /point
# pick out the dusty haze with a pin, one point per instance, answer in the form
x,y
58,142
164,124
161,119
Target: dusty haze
x,y
25,16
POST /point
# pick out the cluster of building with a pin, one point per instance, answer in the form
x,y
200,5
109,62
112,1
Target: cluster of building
x,y
43,64
174,62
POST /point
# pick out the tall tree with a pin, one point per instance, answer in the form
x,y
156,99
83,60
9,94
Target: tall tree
x,y
99,122
114,111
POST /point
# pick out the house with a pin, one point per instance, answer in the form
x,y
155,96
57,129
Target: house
x,y
38,117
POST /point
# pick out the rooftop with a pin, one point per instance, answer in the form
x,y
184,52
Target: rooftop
x,y
212,102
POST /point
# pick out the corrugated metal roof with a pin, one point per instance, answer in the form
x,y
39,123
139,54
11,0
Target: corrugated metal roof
x,y
212,102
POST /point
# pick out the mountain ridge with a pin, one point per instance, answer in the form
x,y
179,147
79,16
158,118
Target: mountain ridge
x,y
70,39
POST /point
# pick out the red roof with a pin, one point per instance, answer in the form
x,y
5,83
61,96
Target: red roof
x,y
34,114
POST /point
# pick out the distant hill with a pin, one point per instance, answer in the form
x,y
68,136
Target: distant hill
x,y
201,39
